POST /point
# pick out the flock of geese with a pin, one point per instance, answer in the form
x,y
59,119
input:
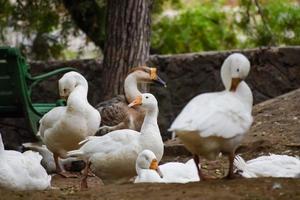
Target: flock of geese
x,y
128,144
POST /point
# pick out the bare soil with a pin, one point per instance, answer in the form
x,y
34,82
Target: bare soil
x,y
276,129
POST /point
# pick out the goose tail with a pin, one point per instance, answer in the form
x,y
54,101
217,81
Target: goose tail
x,y
240,163
75,153
87,139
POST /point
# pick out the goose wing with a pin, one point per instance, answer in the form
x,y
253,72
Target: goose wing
x,y
113,111
214,114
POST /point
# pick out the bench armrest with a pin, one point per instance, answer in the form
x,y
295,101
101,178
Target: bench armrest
x,y
37,79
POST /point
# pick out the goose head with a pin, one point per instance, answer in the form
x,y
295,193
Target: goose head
x,y
146,100
235,69
146,74
147,160
69,82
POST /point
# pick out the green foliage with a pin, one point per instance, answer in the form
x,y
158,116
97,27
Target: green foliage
x,y
36,20
212,26
274,22
201,28
45,26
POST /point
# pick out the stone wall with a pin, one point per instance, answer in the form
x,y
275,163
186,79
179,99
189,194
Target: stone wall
x,y
274,71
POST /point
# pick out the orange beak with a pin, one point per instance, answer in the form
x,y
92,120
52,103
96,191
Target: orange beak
x,y
64,97
234,84
154,166
155,78
153,73
137,101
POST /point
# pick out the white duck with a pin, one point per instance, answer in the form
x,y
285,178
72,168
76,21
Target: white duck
x,y
112,157
115,113
62,128
47,158
173,172
269,166
216,122
22,171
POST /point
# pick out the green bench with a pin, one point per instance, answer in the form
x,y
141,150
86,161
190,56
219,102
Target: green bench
x,y
16,84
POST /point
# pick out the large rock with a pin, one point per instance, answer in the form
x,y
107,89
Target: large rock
x,y
274,71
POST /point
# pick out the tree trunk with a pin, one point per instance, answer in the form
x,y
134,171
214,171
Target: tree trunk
x,y
127,42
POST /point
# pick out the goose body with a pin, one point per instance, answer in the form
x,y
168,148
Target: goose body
x,y
47,157
62,128
115,112
269,166
216,122
172,172
112,156
22,171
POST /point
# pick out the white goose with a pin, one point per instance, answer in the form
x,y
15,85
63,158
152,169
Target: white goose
x,y
269,166
112,157
148,170
62,128
22,171
216,122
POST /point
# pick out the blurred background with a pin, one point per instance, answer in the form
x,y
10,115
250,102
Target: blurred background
x,y
58,29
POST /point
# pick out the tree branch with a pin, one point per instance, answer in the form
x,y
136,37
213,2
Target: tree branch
x,y
89,17
260,12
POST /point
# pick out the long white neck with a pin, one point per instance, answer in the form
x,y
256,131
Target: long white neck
x,y
138,169
147,175
150,122
150,134
244,93
131,87
226,74
78,97
1,144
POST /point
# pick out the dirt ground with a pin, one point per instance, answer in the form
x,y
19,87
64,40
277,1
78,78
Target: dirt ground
x,y
276,129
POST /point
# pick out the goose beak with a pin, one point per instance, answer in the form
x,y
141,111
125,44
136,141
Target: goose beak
x,y
160,81
234,84
137,101
64,97
155,78
154,166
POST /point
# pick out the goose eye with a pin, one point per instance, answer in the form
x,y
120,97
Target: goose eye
x,y
147,97
237,69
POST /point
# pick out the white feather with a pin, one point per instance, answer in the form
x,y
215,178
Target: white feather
x,y
216,122
22,171
62,128
269,166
